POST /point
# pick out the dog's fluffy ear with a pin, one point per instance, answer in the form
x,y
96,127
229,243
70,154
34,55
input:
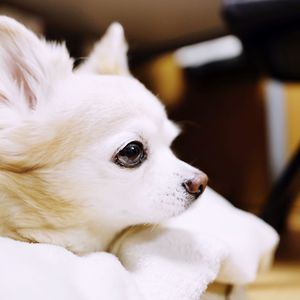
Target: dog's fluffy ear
x,y
28,65
109,55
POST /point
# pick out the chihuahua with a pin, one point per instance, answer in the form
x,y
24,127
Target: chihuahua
x,y
85,152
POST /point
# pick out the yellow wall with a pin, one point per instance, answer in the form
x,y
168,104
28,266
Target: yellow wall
x,y
293,127
293,116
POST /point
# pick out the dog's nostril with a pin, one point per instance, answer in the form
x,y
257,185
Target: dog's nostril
x,y
200,189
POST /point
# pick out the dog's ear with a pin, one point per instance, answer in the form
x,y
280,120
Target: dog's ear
x,y
109,55
28,66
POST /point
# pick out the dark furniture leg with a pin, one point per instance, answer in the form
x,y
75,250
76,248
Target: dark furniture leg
x,y
282,195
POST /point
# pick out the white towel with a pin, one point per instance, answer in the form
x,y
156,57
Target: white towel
x,y
176,260
47,272
211,241
249,242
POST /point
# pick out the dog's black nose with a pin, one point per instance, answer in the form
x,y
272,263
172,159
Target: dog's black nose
x,y
196,185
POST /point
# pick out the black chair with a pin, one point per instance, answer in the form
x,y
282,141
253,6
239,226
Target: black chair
x,y
270,33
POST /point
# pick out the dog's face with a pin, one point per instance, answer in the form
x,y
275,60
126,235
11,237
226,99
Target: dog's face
x,y
89,147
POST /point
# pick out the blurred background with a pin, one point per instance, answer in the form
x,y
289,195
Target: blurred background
x,y
229,73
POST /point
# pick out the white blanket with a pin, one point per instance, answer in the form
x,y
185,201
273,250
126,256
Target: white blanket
x,y
213,241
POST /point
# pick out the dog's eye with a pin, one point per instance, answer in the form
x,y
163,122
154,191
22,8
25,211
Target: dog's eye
x,y
132,155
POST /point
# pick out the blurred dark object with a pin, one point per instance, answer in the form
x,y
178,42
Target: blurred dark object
x,y
223,120
283,194
270,32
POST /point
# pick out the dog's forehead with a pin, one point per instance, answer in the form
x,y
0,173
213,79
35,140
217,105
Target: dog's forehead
x,y
109,94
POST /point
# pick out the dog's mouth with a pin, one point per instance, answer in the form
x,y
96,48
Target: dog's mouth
x,y
189,201
182,204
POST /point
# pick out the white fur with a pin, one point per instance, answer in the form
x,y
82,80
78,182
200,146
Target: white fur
x,y
59,131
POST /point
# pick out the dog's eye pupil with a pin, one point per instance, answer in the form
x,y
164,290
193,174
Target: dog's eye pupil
x,y
131,155
131,151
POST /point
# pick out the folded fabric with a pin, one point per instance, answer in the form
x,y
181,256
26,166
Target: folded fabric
x,y
249,241
170,263
47,272
213,241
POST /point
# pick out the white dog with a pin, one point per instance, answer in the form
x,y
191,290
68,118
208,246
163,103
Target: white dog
x,y
84,153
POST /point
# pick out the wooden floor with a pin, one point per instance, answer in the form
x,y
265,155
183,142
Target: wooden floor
x,y
283,281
